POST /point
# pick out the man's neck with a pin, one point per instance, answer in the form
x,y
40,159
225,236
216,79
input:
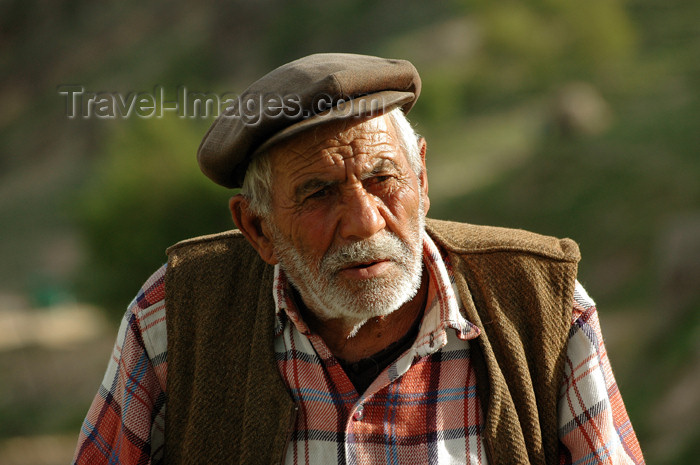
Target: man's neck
x,y
347,342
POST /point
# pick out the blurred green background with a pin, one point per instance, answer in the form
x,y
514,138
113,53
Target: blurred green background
x,y
577,119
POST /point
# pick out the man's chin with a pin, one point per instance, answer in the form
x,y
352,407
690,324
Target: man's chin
x,y
365,300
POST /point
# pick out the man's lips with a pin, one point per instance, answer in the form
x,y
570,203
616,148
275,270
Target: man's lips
x,y
365,270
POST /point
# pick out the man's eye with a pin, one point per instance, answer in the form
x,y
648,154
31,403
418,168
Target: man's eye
x,y
380,180
319,194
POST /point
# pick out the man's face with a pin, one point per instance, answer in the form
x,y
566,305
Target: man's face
x,y
347,219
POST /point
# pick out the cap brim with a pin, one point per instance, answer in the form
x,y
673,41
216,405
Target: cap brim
x,y
366,106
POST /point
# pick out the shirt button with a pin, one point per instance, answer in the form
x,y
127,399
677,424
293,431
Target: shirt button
x,y
359,413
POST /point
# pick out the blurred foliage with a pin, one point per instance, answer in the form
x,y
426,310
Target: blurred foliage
x,y
515,49
146,193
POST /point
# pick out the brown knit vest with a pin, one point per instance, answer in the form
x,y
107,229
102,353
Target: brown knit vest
x,y
227,402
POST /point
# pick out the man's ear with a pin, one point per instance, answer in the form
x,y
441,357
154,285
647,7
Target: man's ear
x,y
423,178
253,228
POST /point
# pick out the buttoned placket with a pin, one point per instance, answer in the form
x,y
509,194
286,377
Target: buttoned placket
x,y
402,365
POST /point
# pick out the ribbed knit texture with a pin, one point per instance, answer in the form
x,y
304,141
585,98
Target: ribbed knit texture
x,y
227,402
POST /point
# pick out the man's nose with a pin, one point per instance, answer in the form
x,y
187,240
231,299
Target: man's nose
x,y
361,216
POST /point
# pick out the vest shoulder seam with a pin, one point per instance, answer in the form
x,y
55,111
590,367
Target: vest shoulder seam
x,y
221,237
465,238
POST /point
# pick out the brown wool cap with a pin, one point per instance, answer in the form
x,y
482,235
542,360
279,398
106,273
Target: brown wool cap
x,y
297,96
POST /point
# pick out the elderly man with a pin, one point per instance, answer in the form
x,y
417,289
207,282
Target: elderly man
x,y
337,324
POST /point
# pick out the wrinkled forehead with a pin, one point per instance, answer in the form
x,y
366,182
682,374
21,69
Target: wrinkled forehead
x,y
327,145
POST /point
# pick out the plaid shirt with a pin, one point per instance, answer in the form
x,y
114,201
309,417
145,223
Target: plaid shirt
x,y
422,408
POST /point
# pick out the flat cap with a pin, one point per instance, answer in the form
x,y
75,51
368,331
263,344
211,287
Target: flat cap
x,y
297,96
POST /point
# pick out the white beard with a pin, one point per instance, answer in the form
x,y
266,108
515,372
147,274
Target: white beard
x,y
328,296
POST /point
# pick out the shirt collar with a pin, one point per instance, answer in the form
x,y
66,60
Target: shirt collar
x,y
442,310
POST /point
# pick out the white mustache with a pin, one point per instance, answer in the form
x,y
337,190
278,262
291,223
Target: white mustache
x,y
384,247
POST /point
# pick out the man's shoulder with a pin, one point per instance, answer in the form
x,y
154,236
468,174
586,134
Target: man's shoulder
x,y
219,244
465,238
225,238
212,263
